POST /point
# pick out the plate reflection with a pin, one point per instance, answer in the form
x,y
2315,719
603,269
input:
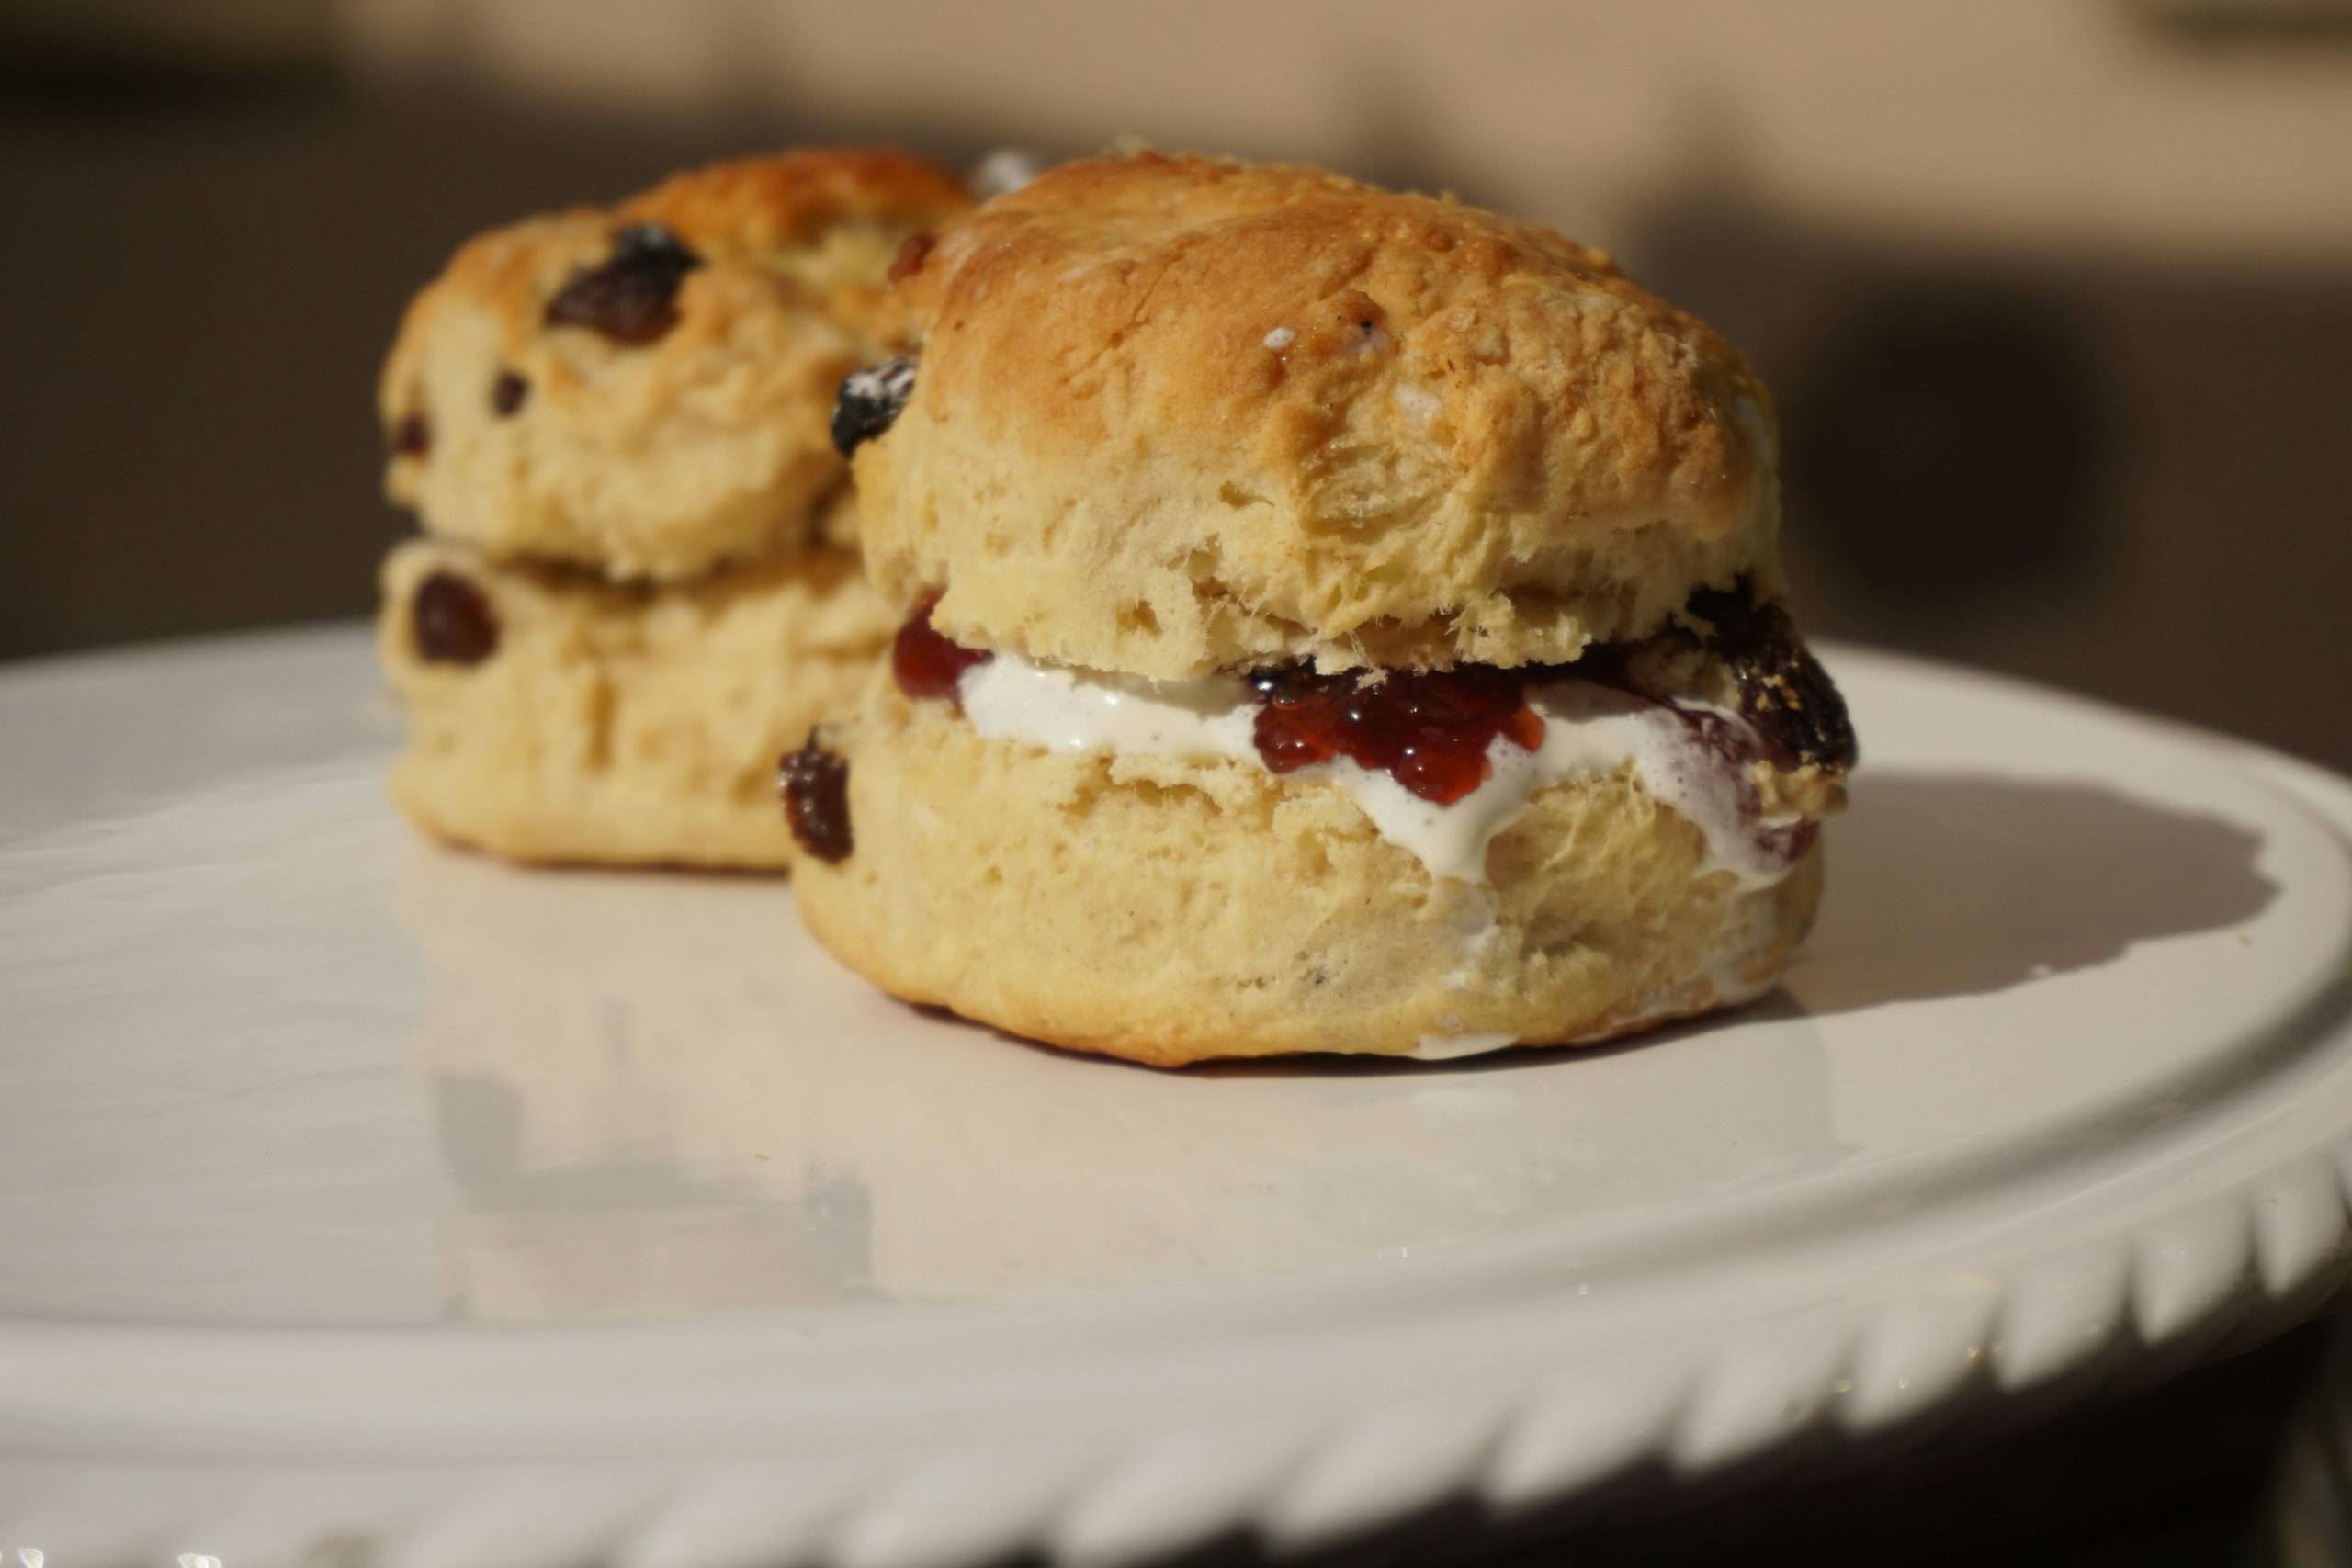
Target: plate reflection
x,y
655,1096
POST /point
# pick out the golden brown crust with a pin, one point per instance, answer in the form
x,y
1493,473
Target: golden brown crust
x,y
1170,910
666,457
786,201
1174,414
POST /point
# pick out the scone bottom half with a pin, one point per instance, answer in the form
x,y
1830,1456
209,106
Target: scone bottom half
x,y
1402,862
556,718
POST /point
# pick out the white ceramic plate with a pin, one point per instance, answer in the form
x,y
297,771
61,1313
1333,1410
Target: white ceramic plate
x,y
362,1201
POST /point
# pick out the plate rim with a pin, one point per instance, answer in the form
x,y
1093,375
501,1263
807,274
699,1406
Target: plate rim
x,y
2207,1269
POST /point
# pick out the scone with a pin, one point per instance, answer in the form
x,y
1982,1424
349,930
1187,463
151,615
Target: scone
x,y
1337,621
646,390
640,583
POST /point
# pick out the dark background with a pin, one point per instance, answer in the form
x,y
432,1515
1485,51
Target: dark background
x,y
2056,299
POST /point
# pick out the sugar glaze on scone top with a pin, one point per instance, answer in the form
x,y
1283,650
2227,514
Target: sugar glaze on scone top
x,y
1179,414
701,439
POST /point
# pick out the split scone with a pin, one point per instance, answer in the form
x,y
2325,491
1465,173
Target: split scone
x,y
641,570
1335,621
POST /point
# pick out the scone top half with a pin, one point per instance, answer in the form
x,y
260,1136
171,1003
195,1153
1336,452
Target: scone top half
x,y
1186,421
644,389
1174,415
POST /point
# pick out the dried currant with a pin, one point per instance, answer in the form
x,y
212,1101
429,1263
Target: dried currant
x,y
413,436
633,298
507,393
451,621
814,783
1783,690
870,402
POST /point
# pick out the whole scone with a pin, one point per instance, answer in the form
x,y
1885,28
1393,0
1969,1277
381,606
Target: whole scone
x,y
644,389
557,718
1335,621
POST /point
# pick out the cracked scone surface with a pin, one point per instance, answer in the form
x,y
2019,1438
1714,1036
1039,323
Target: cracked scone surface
x,y
645,389
1176,414
1171,910
619,724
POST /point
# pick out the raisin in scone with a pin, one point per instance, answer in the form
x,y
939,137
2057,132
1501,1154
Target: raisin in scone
x,y
641,578
1335,621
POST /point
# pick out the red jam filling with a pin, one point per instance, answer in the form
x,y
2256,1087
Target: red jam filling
x,y
1432,731
928,664
1428,729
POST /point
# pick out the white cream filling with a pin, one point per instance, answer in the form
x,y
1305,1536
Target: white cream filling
x,y
1062,709
1587,730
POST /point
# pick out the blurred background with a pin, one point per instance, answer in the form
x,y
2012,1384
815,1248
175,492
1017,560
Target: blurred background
x,y
2057,297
